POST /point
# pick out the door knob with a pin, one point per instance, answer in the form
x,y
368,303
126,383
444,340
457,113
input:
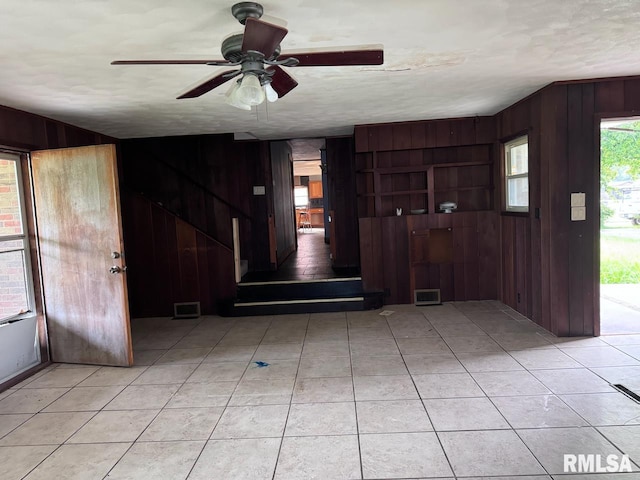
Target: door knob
x,y
115,269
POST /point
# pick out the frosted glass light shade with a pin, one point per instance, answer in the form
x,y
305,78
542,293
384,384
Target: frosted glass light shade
x,y
250,91
232,97
271,94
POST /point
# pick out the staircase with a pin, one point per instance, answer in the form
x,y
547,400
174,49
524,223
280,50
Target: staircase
x,y
300,296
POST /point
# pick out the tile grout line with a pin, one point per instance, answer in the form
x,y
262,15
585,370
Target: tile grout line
x,y
355,400
295,380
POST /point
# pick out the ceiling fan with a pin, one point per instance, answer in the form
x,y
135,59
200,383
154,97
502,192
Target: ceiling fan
x,y
257,52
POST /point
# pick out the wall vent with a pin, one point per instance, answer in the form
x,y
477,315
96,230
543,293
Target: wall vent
x,y
427,296
186,310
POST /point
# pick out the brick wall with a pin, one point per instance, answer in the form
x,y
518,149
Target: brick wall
x,y
12,280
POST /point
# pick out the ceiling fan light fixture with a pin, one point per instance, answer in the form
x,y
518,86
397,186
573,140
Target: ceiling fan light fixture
x,y
232,97
271,94
250,92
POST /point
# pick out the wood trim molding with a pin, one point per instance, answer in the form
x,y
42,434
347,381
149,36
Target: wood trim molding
x,y
24,375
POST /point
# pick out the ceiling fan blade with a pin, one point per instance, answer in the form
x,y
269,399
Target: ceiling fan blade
x,y
282,82
337,57
209,85
166,62
262,36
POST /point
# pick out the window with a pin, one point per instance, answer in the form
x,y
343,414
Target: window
x,y
301,196
516,174
16,287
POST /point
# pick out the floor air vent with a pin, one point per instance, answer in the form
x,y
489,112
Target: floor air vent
x,y
629,393
186,310
427,296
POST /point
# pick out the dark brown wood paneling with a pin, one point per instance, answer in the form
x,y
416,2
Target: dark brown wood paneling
x,y
390,259
423,164
188,261
154,258
488,263
609,96
207,180
631,95
522,264
555,100
204,282
341,186
361,138
401,136
403,266
485,128
27,131
170,261
283,208
385,137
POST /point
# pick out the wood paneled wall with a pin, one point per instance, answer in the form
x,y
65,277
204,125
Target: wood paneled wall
x,y
388,249
551,261
341,185
206,180
451,132
283,207
170,261
390,245
26,131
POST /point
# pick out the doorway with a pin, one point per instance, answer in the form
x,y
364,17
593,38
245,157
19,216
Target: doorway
x,y
311,260
620,226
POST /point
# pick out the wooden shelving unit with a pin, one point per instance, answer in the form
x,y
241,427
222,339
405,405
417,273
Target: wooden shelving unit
x,y
423,178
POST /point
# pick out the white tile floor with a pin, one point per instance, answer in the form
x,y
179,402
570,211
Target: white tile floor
x,y
466,390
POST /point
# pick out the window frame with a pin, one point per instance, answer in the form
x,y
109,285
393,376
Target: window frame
x,y
24,238
506,151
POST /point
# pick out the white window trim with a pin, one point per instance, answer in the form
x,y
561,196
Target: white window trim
x,y
25,243
507,161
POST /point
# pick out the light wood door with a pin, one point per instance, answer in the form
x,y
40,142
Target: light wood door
x,y
79,227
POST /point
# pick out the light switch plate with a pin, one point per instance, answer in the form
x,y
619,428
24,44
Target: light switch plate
x,y
259,190
578,214
578,199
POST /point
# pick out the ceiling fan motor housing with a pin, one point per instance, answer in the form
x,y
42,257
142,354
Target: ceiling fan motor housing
x,y
232,48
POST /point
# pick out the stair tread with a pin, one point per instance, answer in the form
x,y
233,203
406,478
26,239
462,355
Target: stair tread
x,y
299,301
320,281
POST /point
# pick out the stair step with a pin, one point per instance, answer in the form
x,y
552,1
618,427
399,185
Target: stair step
x,y
297,306
301,296
300,289
299,301
367,301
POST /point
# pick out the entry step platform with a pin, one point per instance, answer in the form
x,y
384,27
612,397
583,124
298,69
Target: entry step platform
x,y
301,296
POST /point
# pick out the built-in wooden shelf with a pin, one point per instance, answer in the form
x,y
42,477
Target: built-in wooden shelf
x,y
463,189
424,178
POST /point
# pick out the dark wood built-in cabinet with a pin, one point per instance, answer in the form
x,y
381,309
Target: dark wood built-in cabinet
x,y
415,167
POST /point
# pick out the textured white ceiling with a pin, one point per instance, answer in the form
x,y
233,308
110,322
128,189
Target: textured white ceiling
x,y
443,58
